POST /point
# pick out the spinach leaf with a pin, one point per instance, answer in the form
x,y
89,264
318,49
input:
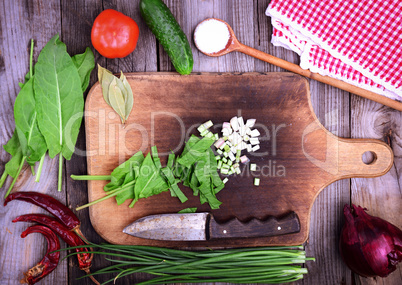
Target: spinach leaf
x,y
85,63
58,97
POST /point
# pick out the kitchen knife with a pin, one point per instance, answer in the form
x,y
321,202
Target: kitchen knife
x,y
203,226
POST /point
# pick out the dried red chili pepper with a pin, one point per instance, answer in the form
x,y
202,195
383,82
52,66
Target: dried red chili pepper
x,y
56,208
51,258
71,238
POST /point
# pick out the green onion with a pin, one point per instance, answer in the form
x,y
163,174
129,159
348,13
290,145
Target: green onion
x,y
238,265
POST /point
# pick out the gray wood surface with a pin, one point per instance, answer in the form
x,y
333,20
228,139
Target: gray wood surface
x,y
343,114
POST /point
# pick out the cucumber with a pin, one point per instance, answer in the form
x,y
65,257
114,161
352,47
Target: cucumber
x,y
168,32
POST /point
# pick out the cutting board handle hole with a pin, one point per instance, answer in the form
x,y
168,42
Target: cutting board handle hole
x,y
369,157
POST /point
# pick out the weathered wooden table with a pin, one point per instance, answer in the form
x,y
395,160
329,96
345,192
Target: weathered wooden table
x,y
344,114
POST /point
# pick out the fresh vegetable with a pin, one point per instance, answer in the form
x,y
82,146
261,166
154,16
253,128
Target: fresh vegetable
x,y
168,32
117,92
44,120
141,177
49,261
239,265
370,246
187,210
114,35
59,105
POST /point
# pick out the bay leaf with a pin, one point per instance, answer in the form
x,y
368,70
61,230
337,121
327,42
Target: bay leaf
x,y
116,100
105,77
129,98
121,87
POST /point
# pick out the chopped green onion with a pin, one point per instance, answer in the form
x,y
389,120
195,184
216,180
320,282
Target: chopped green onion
x,y
204,133
256,181
220,164
231,156
225,180
254,133
256,147
208,124
254,141
201,128
253,167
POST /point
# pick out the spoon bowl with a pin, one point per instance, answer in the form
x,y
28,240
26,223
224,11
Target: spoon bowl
x,y
233,44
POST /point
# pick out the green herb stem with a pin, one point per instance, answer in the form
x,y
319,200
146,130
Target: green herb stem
x,y
16,176
112,193
239,265
31,59
60,178
42,159
91,177
33,170
3,178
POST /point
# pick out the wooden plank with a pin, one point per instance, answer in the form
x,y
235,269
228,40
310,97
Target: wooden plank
x,y
381,195
21,21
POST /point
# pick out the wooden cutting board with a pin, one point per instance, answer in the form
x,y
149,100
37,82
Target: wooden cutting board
x,y
298,157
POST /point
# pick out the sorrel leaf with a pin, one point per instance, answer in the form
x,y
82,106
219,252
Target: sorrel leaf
x,y
149,182
85,63
33,144
58,97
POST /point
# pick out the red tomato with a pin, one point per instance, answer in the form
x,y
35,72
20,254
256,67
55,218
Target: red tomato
x,y
114,35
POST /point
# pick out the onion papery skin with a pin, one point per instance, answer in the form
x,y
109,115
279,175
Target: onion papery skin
x,y
369,246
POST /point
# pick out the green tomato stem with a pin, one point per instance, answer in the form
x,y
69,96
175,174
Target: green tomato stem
x,y
16,176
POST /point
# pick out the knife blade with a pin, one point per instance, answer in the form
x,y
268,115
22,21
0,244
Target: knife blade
x,y
203,226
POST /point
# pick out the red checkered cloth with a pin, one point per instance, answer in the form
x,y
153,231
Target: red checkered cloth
x,y
357,41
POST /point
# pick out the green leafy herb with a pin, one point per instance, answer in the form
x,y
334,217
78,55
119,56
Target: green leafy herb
x,y
187,210
48,109
253,265
59,100
140,178
150,182
84,63
117,92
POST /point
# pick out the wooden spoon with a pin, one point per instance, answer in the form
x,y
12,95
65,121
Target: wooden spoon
x,y
234,45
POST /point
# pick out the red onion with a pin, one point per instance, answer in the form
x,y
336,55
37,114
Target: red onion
x,y
369,246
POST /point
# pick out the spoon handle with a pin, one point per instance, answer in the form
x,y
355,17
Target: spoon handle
x,y
324,79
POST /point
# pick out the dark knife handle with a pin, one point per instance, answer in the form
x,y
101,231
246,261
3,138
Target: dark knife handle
x,y
255,228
